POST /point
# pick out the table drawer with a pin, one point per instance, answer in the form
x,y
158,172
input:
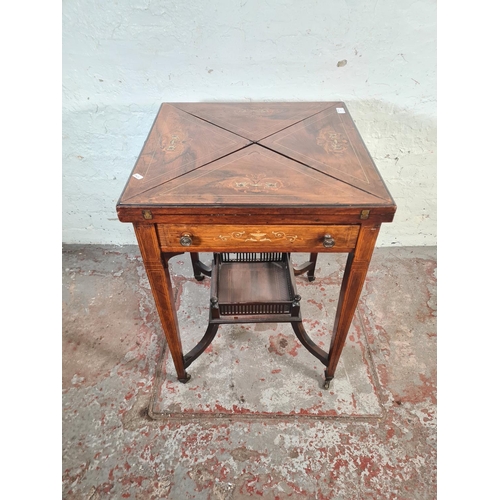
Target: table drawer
x,y
258,238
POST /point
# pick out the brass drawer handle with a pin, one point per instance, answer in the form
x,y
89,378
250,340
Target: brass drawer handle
x,y
328,241
186,240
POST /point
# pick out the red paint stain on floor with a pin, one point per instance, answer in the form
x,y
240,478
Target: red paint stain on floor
x,y
426,391
319,305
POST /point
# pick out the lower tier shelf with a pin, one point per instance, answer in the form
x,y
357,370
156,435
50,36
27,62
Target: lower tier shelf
x,y
252,288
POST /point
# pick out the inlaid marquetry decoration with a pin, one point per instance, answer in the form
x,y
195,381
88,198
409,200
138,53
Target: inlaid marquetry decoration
x,y
280,235
258,236
256,155
177,144
331,141
173,142
253,183
250,238
255,178
259,111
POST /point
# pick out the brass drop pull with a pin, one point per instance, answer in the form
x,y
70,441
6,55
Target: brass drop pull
x,y
186,240
328,241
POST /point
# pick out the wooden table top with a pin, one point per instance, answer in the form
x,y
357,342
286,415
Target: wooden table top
x,y
216,157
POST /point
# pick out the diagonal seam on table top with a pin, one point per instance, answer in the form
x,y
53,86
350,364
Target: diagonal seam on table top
x,y
131,200
279,159
324,173
325,111
176,105
195,119
377,188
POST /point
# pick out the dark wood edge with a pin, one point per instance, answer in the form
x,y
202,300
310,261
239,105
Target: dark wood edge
x,y
308,343
214,283
307,266
139,155
123,208
202,345
265,318
291,275
257,303
370,155
257,215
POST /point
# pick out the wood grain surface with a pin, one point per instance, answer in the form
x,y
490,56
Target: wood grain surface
x,y
256,238
355,272
178,143
254,120
255,176
330,143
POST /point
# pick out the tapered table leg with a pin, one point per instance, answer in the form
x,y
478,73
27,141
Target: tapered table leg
x,y
161,287
352,284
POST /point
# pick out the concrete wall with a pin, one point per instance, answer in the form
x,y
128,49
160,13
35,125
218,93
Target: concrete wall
x,y
121,59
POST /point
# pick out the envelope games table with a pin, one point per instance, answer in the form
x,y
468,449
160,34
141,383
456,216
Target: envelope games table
x,y
252,183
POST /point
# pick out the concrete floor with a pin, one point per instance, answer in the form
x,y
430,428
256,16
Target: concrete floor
x,y
253,421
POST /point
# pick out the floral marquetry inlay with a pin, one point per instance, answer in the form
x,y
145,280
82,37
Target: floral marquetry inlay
x,y
258,183
331,141
173,142
262,111
257,236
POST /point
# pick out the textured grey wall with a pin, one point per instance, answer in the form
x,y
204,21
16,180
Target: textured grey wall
x,y
122,59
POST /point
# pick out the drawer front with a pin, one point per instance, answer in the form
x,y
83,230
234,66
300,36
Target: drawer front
x,y
258,238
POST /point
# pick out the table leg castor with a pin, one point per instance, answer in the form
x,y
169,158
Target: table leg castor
x,y
326,385
186,379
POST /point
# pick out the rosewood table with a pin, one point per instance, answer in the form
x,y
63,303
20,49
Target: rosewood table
x,y
251,183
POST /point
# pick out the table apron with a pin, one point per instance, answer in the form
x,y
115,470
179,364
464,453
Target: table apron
x,y
257,238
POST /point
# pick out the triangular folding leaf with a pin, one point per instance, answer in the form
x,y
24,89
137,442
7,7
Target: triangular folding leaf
x,y
255,176
330,143
178,143
254,120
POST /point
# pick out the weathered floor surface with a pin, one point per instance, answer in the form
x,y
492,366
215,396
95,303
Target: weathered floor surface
x,y
254,420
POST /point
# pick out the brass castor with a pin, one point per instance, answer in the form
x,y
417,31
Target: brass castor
x,y
326,385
